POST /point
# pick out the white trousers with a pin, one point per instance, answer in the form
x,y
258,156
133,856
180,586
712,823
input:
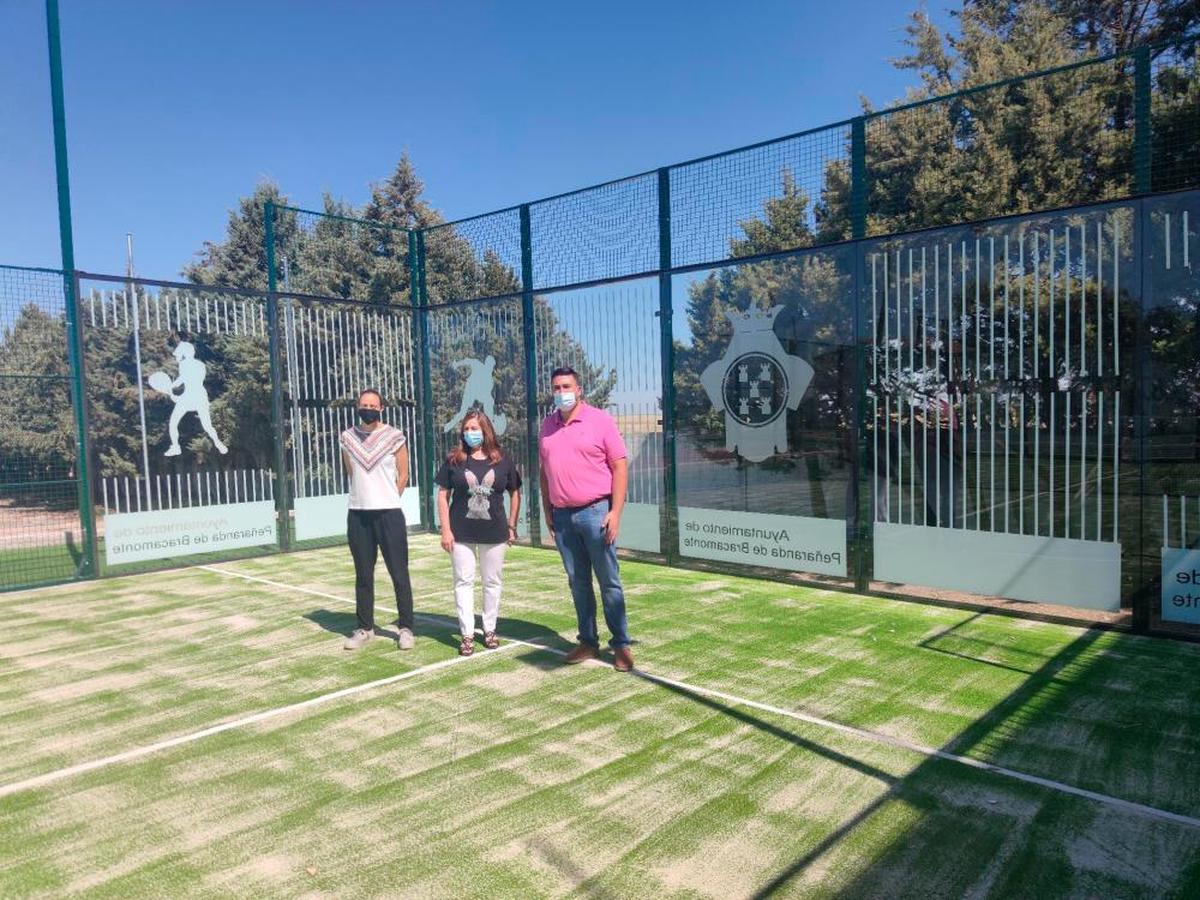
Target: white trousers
x,y
491,557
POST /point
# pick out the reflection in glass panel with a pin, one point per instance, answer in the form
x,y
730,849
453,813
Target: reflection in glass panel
x,y
764,369
331,351
997,366
1172,457
477,355
609,335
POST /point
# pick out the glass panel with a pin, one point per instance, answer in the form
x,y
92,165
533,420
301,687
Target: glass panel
x,y
609,335
477,353
999,408
179,411
331,352
764,382
1172,457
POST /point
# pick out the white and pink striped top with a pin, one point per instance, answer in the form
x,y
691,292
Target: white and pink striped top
x,y
372,456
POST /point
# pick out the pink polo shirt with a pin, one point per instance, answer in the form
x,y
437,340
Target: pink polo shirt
x,y
575,455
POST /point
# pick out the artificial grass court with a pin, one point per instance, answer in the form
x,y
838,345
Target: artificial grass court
x,y
797,742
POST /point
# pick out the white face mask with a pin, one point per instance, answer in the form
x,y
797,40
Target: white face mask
x,y
564,400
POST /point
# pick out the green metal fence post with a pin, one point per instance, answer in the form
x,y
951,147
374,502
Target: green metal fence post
x,y
533,488
414,303
1148,576
88,564
668,513
282,505
1146,565
428,444
858,177
87,513
1141,121
414,271
858,527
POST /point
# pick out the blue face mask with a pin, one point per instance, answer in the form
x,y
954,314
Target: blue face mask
x,y
564,400
473,439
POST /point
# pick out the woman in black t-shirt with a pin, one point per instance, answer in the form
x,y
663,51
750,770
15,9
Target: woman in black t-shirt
x,y
471,486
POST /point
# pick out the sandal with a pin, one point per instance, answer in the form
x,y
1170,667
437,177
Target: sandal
x,y
467,646
490,640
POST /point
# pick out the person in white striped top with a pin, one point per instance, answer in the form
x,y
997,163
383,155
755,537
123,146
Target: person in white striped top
x,y
376,458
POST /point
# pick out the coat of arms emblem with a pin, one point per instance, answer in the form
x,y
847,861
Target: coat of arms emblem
x,y
755,383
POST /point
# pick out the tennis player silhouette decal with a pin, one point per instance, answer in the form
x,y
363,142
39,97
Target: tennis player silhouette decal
x,y
755,383
481,382
192,399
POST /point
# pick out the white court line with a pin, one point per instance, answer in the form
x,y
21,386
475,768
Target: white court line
x,y
58,656
138,752
874,736
416,615
325,596
1125,805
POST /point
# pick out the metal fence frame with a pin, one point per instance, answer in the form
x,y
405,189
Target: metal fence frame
x,y
651,190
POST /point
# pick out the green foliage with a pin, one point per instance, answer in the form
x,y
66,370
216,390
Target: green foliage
x,y
477,331
816,320
37,428
1038,143
1175,119
240,260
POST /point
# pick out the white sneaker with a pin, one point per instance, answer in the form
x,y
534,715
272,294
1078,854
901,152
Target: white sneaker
x,y
356,640
405,639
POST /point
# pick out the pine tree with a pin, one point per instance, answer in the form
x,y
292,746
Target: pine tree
x,y
1038,143
37,430
240,260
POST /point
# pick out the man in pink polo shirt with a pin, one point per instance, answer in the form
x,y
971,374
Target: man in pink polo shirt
x,y
584,476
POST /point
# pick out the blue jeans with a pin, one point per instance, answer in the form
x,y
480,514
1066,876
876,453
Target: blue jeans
x,y
581,544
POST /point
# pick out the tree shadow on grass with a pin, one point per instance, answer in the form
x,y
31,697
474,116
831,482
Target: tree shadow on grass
x,y
883,876
873,880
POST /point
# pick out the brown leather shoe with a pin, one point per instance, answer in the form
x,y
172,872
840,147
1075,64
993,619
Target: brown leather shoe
x,y
581,653
622,659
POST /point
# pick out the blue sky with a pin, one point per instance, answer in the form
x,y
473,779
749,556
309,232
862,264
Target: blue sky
x,y
175,109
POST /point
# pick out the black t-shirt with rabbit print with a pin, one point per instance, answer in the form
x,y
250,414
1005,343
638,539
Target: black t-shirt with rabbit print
x,y
477,489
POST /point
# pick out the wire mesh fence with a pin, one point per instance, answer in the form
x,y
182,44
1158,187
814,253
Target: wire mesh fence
x,y
472,258
1175,116
41,537
781,195
818,367
604,232
1050,140
333,254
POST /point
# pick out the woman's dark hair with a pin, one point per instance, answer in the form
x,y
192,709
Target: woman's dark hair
x,y
375,391
491,446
